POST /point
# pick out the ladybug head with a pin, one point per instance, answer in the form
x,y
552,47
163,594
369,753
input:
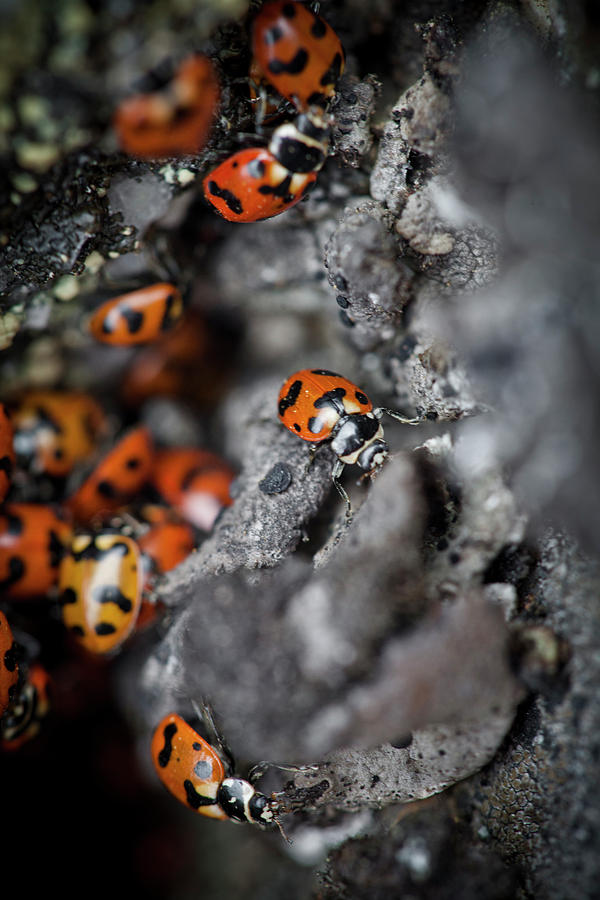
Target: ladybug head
x,y
242,803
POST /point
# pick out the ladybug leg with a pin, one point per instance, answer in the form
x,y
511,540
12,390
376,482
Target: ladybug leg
x,y
395,415
313,449
338,468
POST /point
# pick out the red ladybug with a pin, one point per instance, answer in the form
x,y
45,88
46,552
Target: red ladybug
x,y
33,538
54,430
116,479
100,585
7,453
9,669
194,772
175,120
318,405
298,52
194,482
137,317
251,186
259,183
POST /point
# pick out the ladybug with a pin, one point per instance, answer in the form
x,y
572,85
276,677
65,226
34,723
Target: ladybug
x,y
54,430
9,668
100,589
252,185
258,183
23,719
194,772
194,482
297,52
137,317
7,453
33,538
116,479
175,120
318,405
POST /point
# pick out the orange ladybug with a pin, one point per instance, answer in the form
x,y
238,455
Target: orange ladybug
x,y
321,406
116,479
252,185
54,430
137,317
194,482
195,774
7,453
100,589
9,668
33,537
298,52
175,120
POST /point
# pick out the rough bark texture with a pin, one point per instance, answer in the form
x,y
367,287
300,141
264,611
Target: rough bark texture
x,y
434,661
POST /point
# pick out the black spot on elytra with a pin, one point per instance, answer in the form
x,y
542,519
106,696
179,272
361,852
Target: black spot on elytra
x,y
297,427
290,398
14,524
55,548
333,399
133,318
11,657
233,202
133,463
295,66
194,799
107,489
16,570
103,629
318,29
167,319
278,190
110,593
77,630
169,731
325,372
289,11
362,398
68,595
334,71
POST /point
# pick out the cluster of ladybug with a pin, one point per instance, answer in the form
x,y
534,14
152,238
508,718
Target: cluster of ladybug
x,y
117,519
100,568
295,53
